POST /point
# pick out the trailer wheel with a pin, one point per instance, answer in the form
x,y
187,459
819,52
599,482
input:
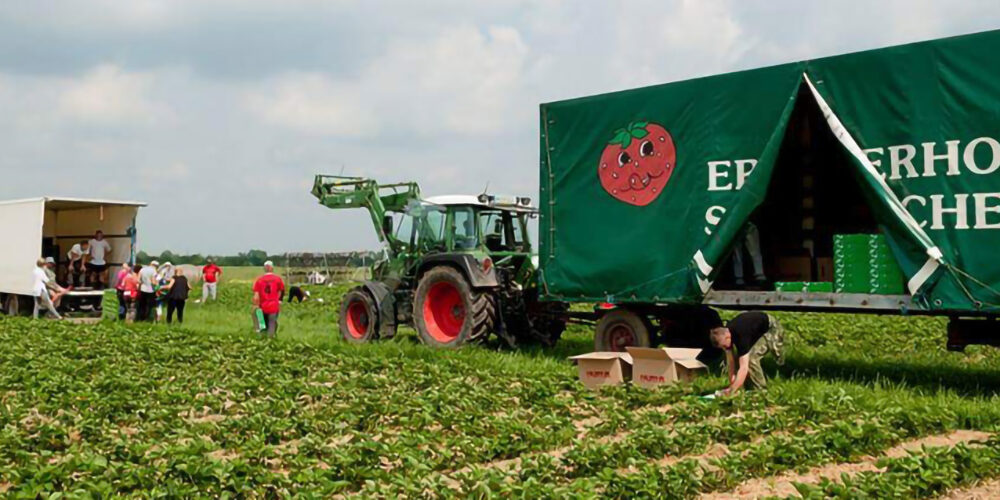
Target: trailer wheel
x,y
358,317
620,328
448,312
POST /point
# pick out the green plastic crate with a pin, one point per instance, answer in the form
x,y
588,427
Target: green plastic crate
x,y
863,263
819,286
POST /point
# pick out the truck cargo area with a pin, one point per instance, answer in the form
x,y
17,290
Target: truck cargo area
x,y
48,227
814,195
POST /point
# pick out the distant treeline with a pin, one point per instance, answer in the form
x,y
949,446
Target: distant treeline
x,y
258,257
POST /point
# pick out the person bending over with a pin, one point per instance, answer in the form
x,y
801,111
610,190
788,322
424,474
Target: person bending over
x,y
745,340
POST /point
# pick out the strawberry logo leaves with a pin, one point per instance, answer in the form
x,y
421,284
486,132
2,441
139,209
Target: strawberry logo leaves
x,y
623,136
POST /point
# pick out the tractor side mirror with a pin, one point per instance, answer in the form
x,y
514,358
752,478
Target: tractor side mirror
x,y
387,224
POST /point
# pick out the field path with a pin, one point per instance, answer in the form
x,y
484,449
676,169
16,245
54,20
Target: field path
x,y
784,485
986,490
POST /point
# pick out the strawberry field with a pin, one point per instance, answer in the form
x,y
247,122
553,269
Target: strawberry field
x,y
864,407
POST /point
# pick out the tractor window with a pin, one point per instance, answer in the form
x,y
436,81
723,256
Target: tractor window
x,y
491,223
405,228
520,233
432,227
464,225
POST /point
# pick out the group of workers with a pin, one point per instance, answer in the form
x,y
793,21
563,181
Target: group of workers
x,y
144,290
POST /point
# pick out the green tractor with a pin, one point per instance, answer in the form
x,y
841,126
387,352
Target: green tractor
x,y
455,268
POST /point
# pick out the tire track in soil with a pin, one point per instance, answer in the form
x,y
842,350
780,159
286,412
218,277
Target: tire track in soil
x,y
512,463
582,432
783,485
714,450
985,490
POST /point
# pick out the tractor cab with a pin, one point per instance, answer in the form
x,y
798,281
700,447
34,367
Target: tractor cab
x,y
482,223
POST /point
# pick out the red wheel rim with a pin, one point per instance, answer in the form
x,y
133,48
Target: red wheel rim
x,y
621,336
444,312
357,319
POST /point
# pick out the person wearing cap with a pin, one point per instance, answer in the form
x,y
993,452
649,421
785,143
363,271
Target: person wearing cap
x,y
268,291
210,285
746,339
147,292
42,298
57,292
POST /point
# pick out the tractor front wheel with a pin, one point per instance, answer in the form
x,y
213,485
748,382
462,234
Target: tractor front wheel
x,y
621,328
358,317
448,312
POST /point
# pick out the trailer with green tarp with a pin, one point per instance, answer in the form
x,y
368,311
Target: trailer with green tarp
x,y
646,193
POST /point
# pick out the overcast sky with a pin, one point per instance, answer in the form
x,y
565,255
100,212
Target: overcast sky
x,y
219,113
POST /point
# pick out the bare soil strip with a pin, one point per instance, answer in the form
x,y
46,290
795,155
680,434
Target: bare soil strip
x,y
784,485
987,490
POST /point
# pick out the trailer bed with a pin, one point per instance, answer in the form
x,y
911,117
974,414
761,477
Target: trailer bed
x,y
811,301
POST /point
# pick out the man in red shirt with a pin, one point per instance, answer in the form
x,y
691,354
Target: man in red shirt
x,y
210,273
268,291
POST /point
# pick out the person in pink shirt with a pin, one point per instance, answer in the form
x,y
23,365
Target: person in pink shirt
x,y
119,284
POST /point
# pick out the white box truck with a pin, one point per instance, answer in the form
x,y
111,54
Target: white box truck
x,y
48,227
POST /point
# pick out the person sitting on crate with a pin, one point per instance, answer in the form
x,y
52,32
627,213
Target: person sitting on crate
x,y
56,291
43,301
745,340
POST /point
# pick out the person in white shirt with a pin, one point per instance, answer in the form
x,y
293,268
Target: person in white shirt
x,y
42,298
147,292
77,267
96,266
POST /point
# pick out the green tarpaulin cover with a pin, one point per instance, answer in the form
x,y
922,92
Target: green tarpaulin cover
x,y
643,192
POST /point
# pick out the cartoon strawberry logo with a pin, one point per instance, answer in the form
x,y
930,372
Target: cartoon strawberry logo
x,y
637,163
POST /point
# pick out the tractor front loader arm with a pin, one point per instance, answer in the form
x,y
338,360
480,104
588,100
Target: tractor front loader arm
x,y
335,191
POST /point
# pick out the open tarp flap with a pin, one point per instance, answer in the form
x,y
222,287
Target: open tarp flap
x,y
924,120
644,192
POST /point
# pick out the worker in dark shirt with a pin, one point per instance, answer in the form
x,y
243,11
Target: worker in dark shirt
x,y
746,339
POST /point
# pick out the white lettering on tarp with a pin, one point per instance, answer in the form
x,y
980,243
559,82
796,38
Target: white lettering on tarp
x,y
984,205
951,155
938,211
982,209
897,160
743,170
718,172
714,174
876,162
970,155
980,156
712,216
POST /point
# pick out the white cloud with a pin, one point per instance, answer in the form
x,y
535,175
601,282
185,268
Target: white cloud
x,y
108,94
462,81
314,103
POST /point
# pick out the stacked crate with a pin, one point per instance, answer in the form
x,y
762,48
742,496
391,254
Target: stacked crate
x,y
804,286
863,263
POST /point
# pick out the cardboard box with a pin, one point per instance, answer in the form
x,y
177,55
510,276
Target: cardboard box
x,y
597,369
794,269
824,269
652,367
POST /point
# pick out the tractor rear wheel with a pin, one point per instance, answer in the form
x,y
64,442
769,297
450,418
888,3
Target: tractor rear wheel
x,y
448,312
621,328
358,317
